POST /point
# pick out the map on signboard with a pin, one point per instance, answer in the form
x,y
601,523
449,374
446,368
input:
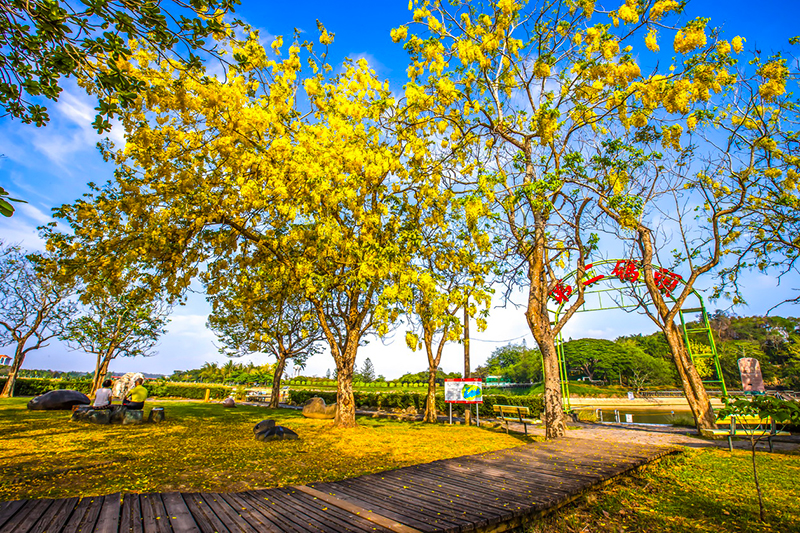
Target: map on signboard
x,y
463,391
752,380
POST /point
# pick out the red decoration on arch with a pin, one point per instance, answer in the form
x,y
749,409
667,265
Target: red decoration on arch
x,y
626,270
666,281
561,292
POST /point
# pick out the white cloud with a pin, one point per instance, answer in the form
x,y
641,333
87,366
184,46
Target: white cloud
x,y
34,213
19,230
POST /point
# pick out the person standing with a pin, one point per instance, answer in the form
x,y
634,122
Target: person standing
x,y
136,396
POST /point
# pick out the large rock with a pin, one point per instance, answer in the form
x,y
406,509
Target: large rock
x,y
94,416
228,402
125,383
133,416
59,399
156,415
263,426
316,408
266,431
117,414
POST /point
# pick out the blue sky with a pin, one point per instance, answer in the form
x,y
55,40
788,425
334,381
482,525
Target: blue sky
x,y
50,166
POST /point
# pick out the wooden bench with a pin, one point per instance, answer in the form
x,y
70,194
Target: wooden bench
x,y
258,396
515,413
750,425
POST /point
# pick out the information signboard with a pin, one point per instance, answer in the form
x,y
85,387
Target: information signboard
x,y
463,391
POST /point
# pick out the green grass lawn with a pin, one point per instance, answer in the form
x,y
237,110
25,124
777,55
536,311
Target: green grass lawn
x,y
698,491
205,447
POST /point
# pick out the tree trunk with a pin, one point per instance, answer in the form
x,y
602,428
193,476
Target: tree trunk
x,y
554,421
19,357
539,323
761,513
100,371
430,401
692,383
345,402
274,399
467,366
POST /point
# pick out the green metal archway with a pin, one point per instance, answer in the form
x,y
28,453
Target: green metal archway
x,y
630,292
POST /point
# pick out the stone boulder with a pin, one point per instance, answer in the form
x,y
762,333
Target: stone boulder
x,y
59,399
156,415
266,431
133,416
263,426
93,416
117,414
316,408
228,402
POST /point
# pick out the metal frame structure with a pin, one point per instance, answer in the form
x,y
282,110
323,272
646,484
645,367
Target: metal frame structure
x,y
629,273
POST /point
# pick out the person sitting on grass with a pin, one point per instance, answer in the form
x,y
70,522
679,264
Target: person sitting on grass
x,y
136,396
102,398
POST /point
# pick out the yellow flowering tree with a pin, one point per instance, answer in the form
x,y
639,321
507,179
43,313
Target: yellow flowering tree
x,y
453,271
255,310
764,236
281,157
703,196
539,86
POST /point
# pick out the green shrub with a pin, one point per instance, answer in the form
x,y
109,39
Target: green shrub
x,y
192,391
37,386
404,399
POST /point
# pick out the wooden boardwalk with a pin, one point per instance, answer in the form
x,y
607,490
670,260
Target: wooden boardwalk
x,y
494,492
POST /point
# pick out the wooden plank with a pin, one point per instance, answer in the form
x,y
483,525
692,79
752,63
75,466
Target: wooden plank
x,y
78,515
254,516
532,483
204,516
154,515
527,467
27,518
178,514
108,521
9,509
485,498
414,515
224,512
131,516
325,521
391,525
497,492
56,516
289,508
336,517
284,518
92,513
405,495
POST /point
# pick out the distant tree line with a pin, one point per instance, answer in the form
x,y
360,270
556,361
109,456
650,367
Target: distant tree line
x,y
639,361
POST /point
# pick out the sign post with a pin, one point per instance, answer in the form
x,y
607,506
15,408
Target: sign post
x,y
467,391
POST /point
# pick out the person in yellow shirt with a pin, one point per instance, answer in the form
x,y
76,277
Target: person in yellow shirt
x,y
136,396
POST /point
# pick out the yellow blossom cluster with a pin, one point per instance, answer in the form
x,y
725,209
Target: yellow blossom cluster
x,y
661,7
628,13
691,37
774,74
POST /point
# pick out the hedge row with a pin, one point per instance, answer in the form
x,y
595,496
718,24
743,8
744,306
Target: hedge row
x,y
360,384
403,400
192,391
37,386
156,389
